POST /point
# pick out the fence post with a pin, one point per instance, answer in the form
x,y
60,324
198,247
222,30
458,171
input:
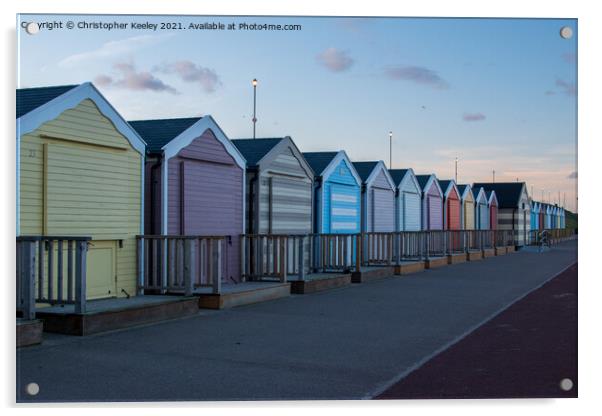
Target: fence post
x,y
243,257
216,259
358,252
445,242
189,266
398,248
427,241
283,255
81,249
301,258
140,257
27,277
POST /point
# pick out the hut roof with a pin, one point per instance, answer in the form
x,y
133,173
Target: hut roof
x,y
29,99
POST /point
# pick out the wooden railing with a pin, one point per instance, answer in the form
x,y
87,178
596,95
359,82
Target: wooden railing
x,y
273,256
51,270
179,264
550,236
278,257
377,248
333,252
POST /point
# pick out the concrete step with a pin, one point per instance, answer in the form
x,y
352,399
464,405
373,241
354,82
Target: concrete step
x,y
29,332
244,294
434,262
320,281
111,314
369,273
456,258
474,255
408,267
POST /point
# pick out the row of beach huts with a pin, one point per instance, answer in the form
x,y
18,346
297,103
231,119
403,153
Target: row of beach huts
x,y
85,172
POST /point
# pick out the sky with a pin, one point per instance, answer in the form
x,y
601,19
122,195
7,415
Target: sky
x,y
498,94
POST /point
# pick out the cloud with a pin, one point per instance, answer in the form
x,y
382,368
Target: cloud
x,y
335,60
131,79
354,24
573,175
416,74
112,49
190,72
567,87
473,117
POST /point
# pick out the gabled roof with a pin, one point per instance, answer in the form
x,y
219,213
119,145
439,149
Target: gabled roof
x,y
491,196
402,176
508,193
29,99
368,172
364,169
324,164
464,189
169,136
255,149
47,103
447,185
425,180
422,180
398,175
157,133
480,193
319,160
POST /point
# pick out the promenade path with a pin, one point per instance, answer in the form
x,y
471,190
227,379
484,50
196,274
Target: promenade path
x,y
350,343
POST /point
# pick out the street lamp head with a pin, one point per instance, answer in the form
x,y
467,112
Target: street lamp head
x,y
390,134
254,82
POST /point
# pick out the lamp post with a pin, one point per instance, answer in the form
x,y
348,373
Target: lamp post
x,y
493,173
390,150
456,170
254,105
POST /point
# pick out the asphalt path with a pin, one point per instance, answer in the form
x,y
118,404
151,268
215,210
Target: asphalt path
x,y
354,342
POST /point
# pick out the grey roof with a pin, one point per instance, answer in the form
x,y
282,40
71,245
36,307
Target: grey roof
x,y
398,175
253,150
462,188
28,99
423,180
318,161
364,169
507,193
444,184
157,133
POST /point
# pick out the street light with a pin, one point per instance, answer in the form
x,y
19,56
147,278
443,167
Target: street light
x,y
254,104
390,150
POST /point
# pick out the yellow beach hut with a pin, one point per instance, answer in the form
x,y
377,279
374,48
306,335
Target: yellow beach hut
x,y
80,172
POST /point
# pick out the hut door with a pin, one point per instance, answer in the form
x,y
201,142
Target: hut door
x,y
343,213
289,206
383,211
69,194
